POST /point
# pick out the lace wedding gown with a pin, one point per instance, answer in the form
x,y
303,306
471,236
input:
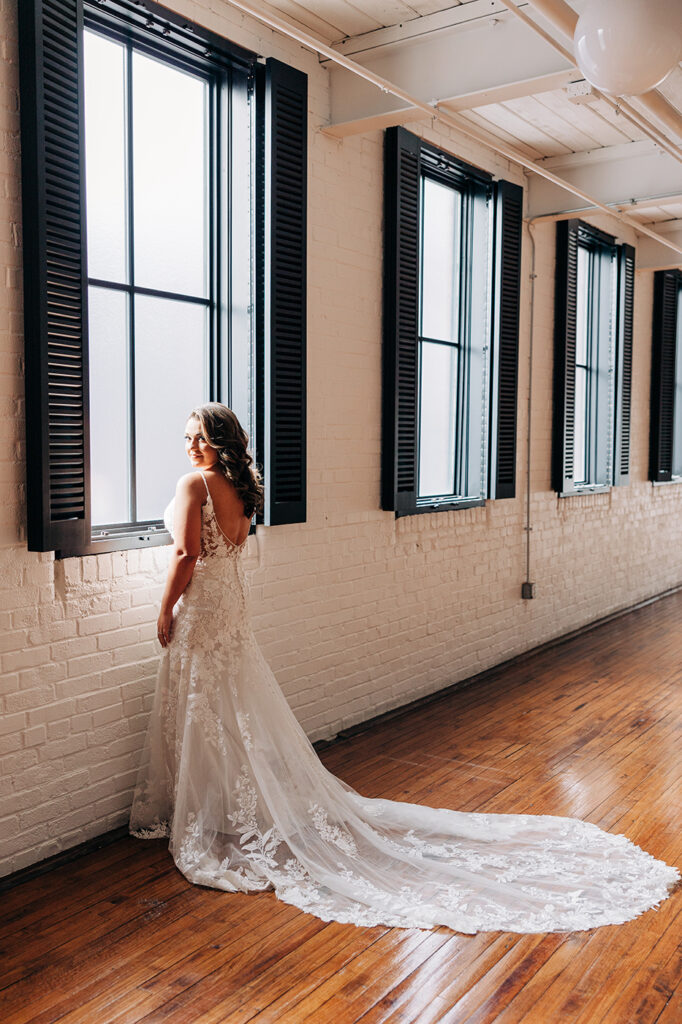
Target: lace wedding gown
x,y
231,778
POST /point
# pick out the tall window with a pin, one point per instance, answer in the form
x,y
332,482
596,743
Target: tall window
x,y
159,322
158,161
665,462
593,359
453,246
454,317
594,362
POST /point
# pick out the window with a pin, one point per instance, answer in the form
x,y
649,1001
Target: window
x,y
157,297
593,359
665,460
451,298
143,293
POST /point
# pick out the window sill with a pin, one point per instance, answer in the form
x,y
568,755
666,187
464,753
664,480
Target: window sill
x,y
666,483
443,506
588,489
101,545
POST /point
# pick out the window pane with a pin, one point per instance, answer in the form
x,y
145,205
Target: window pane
x,y
169,178
105,157
438,401
170,379
583,306
580,434
109,406
440,261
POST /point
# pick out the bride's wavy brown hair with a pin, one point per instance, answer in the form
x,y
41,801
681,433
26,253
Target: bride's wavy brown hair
x,y
224,432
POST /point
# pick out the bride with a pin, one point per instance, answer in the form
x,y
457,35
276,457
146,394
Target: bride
x,y
230,777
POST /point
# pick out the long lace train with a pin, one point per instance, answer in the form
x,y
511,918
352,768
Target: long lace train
x,y
229,776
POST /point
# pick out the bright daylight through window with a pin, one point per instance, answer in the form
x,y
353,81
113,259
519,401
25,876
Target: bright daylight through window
x,y
157,272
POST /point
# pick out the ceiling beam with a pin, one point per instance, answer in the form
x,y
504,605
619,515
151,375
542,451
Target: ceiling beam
x,y
420,27
468,101
651,255
441,68
615,175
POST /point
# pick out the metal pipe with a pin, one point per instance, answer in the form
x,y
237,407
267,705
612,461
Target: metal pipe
x,y
459,124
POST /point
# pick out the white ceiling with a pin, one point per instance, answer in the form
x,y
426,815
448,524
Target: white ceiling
x,y
480,62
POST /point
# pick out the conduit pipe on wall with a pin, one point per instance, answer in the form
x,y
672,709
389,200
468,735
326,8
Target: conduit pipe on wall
x,y
563,17
459,124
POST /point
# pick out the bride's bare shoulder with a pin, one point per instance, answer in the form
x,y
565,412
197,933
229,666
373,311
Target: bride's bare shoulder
x,y
191,487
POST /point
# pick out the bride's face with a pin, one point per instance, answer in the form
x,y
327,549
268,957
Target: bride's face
x,y
199,451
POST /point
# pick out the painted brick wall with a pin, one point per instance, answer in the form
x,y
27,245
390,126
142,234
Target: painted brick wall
x,y
357,612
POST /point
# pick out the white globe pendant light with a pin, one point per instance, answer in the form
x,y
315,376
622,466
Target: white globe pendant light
x,y
626,47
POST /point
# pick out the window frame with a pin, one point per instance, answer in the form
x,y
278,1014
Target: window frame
x,y
607,417
218,77
55,284
496,275
463,456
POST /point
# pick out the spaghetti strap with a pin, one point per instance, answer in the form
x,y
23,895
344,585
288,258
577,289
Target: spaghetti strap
x,y
208,493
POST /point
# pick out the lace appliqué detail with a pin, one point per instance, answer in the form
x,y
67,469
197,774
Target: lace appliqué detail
x,y
244,729
332,833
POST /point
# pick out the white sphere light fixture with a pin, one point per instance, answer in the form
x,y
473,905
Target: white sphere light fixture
x,y
626,47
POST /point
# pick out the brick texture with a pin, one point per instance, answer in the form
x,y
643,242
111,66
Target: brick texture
x,y
356,611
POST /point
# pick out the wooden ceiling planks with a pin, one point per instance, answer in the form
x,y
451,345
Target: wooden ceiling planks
x,y
481,121
586,119
501,116
548,120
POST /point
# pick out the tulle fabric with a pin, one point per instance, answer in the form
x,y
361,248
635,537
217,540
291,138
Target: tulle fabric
x,y
230,777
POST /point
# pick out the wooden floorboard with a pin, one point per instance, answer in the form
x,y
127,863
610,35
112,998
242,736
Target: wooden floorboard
x,y
591,728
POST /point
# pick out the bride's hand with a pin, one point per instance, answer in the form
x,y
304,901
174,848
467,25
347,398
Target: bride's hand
x,y
164,628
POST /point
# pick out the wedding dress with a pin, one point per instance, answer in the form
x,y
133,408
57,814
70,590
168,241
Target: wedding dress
x,y
229,775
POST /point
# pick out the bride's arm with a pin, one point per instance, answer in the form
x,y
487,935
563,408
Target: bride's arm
x,y
189,496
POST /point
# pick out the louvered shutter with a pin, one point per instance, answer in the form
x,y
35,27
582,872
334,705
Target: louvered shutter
x,y
626,292
666,288
285,148
401,304
508,230
54,274
565,301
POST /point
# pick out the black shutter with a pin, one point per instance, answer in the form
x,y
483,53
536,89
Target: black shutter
x,y
285,148
401,304
666,288
55,307
565,301
626,292
508,231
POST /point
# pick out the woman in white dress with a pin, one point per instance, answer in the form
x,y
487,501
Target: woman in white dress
x,y
229,776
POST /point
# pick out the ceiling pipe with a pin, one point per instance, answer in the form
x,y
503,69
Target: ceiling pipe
x,y
458,123
563,17
656,103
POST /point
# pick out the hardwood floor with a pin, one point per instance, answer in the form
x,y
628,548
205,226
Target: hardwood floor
x,y
592,728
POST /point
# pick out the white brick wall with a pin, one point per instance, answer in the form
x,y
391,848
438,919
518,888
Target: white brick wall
x,y
357,612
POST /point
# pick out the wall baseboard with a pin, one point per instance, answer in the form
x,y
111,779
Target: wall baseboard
x,y
57,860
115,835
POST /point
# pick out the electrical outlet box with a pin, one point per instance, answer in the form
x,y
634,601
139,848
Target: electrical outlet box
x,y
527,591
581,92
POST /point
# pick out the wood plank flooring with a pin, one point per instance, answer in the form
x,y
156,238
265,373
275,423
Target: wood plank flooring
x,y
592,729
